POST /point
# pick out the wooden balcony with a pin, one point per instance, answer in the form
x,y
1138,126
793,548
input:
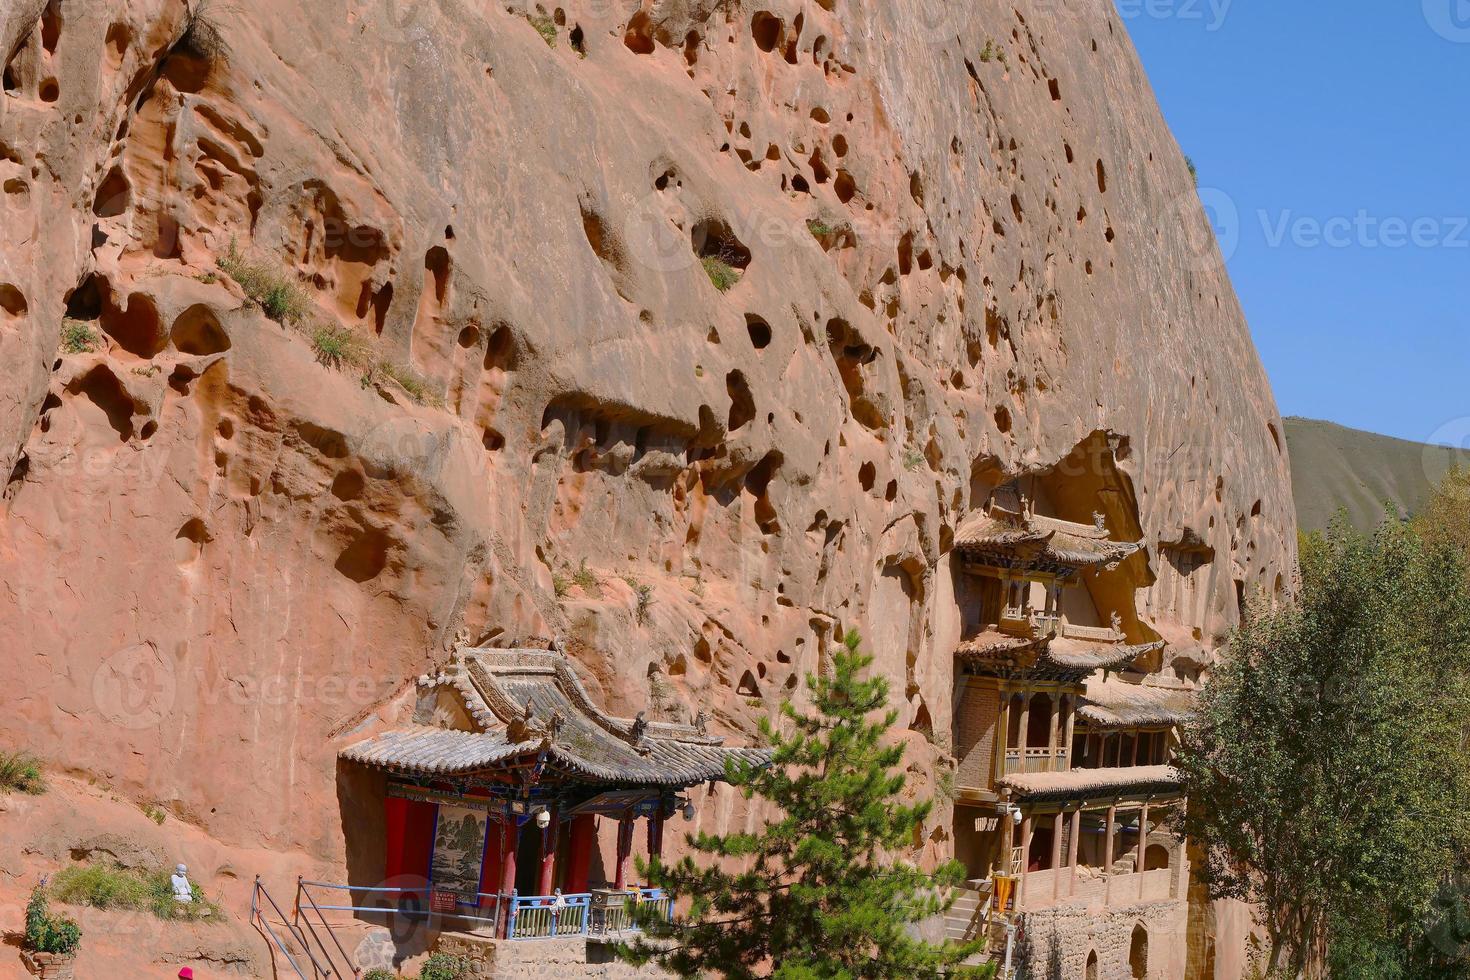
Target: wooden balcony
x,y
1029,623
1035,760
1054,889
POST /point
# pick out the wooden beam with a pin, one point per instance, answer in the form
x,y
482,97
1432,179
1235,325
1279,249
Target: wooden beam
x,y
1025,859
1056,856
1142,845
1072,850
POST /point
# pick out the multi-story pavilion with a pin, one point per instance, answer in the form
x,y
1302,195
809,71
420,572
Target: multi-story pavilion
x,y
1062,737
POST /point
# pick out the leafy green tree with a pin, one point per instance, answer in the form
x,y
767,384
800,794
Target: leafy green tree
x,y
816,892
1326,769
1445,516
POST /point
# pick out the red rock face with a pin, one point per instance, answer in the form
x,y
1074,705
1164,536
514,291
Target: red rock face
x,y
955,248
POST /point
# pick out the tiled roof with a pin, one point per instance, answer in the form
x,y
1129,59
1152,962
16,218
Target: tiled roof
x,y
993,644
529,702
1060,654
1041,539
436,751
1114,704
1080,654
1084,784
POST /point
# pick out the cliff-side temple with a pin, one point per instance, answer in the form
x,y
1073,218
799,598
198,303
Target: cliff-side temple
x,y
491,802
1064,724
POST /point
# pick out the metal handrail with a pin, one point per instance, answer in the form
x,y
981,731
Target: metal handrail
x,y
258,919
395,910
301,892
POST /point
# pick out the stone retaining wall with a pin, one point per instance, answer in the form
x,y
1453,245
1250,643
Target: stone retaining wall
x,y
1056,943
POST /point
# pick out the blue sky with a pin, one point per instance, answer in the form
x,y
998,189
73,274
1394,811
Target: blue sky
x,y
1333,147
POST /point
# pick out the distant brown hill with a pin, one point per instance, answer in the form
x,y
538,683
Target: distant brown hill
x,y
1333,466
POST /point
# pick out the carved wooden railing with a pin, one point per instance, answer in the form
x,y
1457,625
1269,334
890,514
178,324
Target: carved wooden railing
x,y
1097,634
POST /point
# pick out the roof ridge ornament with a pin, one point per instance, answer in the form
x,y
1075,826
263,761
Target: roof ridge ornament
x,y
640,734
1100,521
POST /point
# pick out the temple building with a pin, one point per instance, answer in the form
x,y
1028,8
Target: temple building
x,y
1063,733
492,799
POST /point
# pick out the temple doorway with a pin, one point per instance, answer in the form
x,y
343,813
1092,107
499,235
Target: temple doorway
x,y
528,860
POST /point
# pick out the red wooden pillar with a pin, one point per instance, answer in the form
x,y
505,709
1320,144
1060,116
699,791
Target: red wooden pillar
x,y
656,835
548,856
579,865
625,847
510,839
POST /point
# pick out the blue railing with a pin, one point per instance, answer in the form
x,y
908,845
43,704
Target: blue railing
x,y
548,916
552,916
530,916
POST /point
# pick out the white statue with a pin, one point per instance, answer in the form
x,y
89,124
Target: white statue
x,y
183,891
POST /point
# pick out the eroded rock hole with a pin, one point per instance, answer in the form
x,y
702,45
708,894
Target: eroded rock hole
x,y
638,38
742,405
758,483
197,331
500,351
603,241
766,28
713,238
867,474
51,26
759,330
366,557
190,541
348,485
436,271
1102,178
12,301
113,195
748,687
101,387
136,328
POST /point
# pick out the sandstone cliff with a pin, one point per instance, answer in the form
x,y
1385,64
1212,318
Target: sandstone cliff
x,y
963,243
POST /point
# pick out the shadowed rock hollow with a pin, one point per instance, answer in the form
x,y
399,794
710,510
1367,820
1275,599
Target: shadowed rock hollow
x,y
957,244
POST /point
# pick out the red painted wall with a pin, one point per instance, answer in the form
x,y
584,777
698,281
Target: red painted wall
x,y
410,833
579,868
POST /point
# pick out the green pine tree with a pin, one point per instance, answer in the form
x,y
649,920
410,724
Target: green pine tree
x,y
816,892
